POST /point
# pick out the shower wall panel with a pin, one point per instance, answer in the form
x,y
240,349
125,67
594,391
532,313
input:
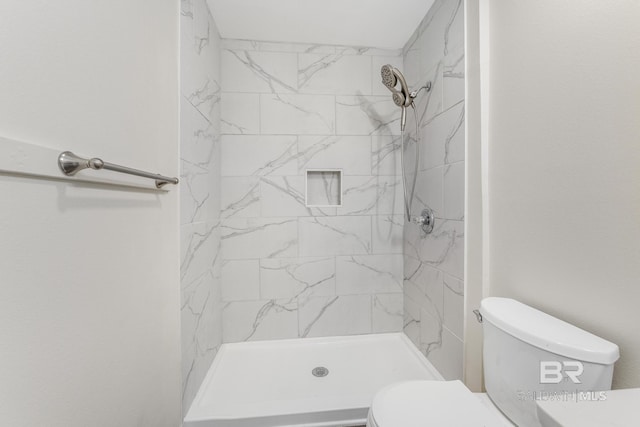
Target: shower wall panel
x,y
434,264
201,311
291,270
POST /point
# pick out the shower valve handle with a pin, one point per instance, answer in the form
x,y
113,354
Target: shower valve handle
x,y
425,221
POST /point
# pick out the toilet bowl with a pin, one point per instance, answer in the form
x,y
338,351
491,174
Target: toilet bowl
x,y
527,354
432,403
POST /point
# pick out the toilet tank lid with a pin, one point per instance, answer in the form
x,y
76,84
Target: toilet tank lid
x,y
547,332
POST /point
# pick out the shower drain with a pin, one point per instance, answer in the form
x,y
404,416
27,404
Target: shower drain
x,y
320,371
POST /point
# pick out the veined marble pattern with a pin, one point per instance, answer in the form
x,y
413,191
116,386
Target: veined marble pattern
x,y
336,315
369,274
334,73
340,235
379,195
297,278
259,155
244,238
201,259
348,153
367,115
385,155
290,253
285,195
324,188
434,264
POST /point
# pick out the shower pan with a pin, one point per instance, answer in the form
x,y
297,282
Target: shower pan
x,y
319,382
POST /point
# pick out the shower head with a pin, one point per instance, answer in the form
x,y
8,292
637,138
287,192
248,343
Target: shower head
x,y
391,76
388,78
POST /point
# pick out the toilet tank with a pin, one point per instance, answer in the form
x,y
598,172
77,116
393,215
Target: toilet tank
x,y
530,355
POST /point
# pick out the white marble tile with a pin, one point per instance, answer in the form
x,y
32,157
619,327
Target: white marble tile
x,y
432,309
387,314
335,152
411,236
201,337
453,263
186,18
241,280
259,72
198,201
448,356
454,191
284,114
367,115
334,74
378,88
253,45
260,320
437,32
369,51
284,196
424,285
297,278
429,192
385,155
246,155
244,238
411,322
240,197
454,305
368,274
386,234
371,195
411,66
324,188
443,248
430,330
454,143
201,321
454,30
199,248
199,146
453,78
240,113
339,235
443,139
199,60
429,103
198,137
431,43
335,315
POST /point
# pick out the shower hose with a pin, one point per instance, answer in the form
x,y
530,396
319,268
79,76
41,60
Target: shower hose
x,y
408,201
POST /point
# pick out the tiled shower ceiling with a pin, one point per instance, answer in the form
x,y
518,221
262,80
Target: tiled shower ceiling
x,y
373,23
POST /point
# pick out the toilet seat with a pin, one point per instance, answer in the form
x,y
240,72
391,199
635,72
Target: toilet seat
x,y
429,403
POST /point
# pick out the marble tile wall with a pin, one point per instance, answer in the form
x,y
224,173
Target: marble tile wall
x,y
291,270
434,264
201,310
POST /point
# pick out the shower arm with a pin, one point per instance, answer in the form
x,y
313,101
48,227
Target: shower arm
x,y
415,93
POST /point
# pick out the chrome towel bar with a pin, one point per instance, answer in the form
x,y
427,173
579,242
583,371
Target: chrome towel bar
x,y
70,164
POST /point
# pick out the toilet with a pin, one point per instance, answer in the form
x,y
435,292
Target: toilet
x,y
528,355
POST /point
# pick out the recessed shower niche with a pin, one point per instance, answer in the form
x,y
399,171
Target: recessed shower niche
x,y
323,188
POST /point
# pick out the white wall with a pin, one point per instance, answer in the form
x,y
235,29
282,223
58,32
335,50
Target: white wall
x,y
564,164
290,270
89,294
